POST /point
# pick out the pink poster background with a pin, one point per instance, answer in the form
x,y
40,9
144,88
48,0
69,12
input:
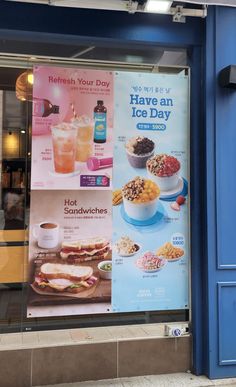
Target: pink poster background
x,y
65,87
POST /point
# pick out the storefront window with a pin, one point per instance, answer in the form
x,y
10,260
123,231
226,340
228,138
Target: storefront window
x,y
15,138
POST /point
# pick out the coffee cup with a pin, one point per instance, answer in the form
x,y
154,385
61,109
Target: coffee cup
x,y
47,234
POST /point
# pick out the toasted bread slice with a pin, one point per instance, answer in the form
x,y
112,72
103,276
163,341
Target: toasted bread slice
x,y
84,255
73,258
70,272
76,292
83,244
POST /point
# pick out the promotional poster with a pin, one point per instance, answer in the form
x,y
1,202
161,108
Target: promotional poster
x,y
110,169
70,243
150,185
72,128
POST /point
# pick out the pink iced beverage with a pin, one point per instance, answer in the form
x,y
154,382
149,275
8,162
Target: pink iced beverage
x,y
63,142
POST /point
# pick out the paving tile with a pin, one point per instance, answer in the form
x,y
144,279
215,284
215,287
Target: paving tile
x,y
154,329
11,340
101,334
101,383
178,380
30,339
138,331
167,380
80,335
55,337
224,382
120,332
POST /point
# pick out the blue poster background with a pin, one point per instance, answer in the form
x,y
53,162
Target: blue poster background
x,y
154,106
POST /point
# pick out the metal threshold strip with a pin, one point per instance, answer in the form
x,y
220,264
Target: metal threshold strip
x,y
27,61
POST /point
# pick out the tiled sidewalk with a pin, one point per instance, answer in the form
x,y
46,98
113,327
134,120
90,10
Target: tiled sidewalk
x,y
170,380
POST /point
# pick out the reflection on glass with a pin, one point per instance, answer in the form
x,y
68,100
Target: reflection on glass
x,y
13,132
14,196
13,210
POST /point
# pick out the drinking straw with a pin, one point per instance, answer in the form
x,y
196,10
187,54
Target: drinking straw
x,y
73,110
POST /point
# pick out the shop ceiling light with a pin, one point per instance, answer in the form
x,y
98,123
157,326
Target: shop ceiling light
x,y
24,86
158,6
30,78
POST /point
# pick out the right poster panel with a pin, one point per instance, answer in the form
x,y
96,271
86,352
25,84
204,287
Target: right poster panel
x,y
150,192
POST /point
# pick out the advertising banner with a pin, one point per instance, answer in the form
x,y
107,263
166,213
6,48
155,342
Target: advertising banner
x,y
150,179
72,128
109,218
70,236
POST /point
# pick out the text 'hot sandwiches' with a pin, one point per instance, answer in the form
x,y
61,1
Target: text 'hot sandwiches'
x,y
58,278
85,250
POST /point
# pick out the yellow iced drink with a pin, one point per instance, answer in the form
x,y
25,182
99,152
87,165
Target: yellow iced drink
x,y
84,139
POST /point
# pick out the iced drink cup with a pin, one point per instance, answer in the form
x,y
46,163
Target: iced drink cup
x,y
63,142
84,140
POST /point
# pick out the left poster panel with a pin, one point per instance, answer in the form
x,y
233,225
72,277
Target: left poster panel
x,y
72,129
69,253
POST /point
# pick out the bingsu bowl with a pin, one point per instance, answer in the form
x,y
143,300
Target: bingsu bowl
x,y
138,150
164,171
140,198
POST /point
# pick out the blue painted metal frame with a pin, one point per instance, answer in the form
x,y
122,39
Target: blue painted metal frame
x,y
198,262
210,183
52,24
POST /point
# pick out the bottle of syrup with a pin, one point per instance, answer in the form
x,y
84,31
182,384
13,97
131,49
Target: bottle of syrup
x,y
100,123
43,107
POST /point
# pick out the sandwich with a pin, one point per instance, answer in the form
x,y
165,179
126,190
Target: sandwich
x,y
85,250
62,278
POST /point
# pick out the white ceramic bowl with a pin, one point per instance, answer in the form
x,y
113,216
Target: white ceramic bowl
x,y
105,274
140,211
165,183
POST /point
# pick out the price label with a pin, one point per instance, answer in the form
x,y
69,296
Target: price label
x,y
178,240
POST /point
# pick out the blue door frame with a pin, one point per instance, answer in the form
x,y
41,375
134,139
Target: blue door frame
x,y
221,186
211,46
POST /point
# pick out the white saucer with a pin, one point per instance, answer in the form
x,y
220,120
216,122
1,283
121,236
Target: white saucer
x,y
174,259
71,174
173,192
